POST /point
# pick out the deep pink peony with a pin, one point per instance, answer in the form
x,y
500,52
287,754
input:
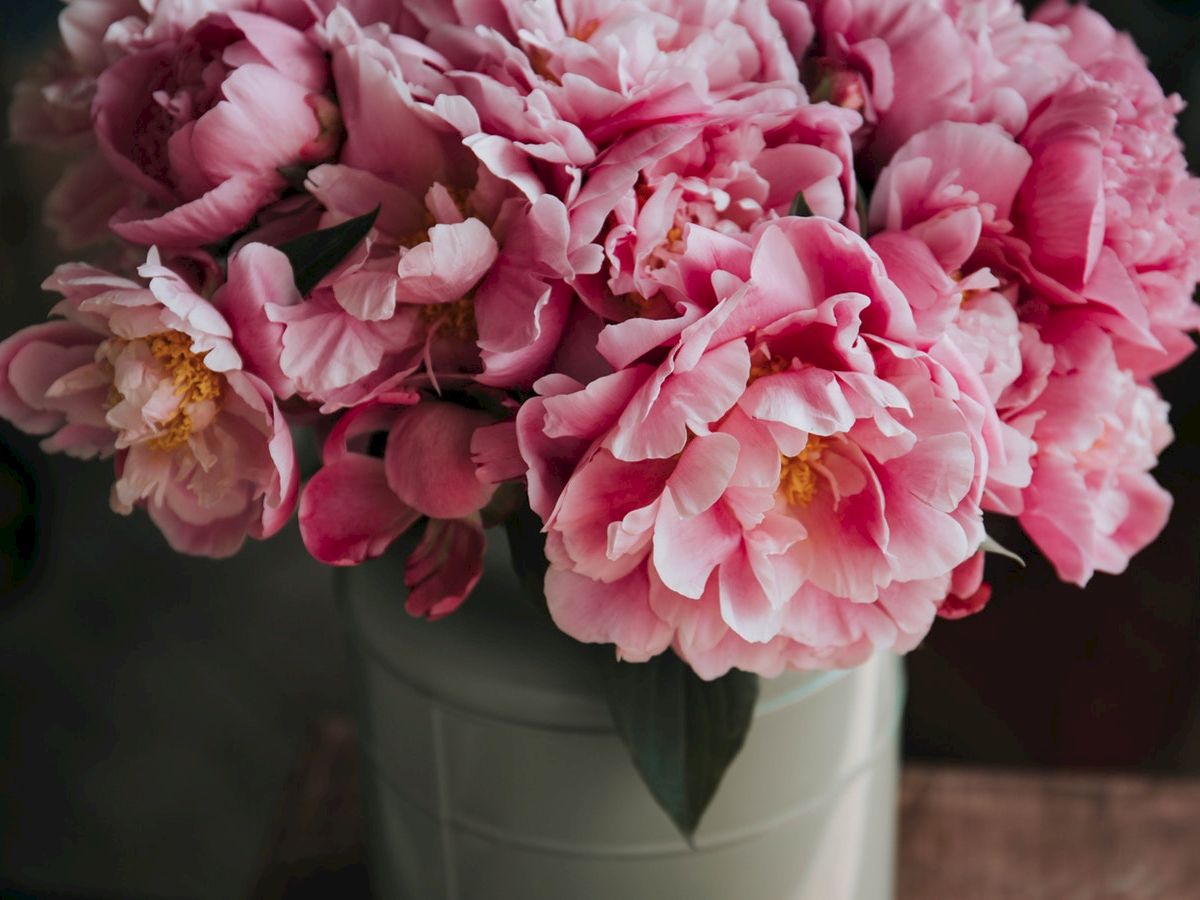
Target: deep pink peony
x,y
788,487
201,121
150,373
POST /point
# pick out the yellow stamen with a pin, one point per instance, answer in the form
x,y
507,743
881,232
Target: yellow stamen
x,y
767,365
586,30
455,319
539,60
797,478
641,305
194,383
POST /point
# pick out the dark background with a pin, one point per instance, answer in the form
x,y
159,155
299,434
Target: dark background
x,y
150,705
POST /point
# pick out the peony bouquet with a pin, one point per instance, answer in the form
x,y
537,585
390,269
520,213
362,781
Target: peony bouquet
x,y
737,314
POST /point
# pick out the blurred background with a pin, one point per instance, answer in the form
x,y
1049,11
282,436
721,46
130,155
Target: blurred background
x,y
151,706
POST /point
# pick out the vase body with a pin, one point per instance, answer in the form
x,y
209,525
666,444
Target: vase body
x,y
491,770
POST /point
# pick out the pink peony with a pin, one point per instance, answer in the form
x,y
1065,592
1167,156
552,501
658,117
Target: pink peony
x,y
200,121
1092,503
788,487
461,278
729,172
1146,210
1050,346
908,66
150,374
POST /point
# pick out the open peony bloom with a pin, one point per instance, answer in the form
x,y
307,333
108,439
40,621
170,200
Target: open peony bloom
x,y
1092,503
150,374
1132,199
788,487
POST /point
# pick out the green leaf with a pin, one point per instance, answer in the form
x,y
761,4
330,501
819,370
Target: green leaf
x,y
862,207
991,545
527,547
315,255
682,731
800,206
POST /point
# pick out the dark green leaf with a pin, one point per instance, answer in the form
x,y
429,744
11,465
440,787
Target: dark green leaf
x,y
861,206
800,206
682,731
313,256
527,547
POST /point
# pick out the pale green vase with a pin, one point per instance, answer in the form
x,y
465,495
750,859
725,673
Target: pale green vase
x,y
492,772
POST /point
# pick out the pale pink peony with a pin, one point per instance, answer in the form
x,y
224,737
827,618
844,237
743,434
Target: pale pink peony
x,y
909,65
787,488
357,505
551,91
1149,216
959,197
1092,503
150,373
615,66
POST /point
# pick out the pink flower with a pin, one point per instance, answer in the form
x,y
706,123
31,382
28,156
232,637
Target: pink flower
x,y
787,487
1147,208
358,504
462,276
546,91
150,374
908,66
969,593
743,164
200,121
1049,348
1090,209
1092,503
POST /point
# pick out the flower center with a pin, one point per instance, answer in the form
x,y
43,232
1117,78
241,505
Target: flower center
x,y
763,364
194,383
797,478
455,319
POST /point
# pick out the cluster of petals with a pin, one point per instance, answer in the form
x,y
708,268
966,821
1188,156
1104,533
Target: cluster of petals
x,y
761,303
1017,247
789,487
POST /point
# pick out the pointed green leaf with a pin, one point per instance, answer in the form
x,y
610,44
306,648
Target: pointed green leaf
x,y
682,731
862,207
315,255
800,206
991,545
527,548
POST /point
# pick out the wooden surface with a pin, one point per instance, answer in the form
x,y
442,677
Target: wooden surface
x,y
984,835
966,833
